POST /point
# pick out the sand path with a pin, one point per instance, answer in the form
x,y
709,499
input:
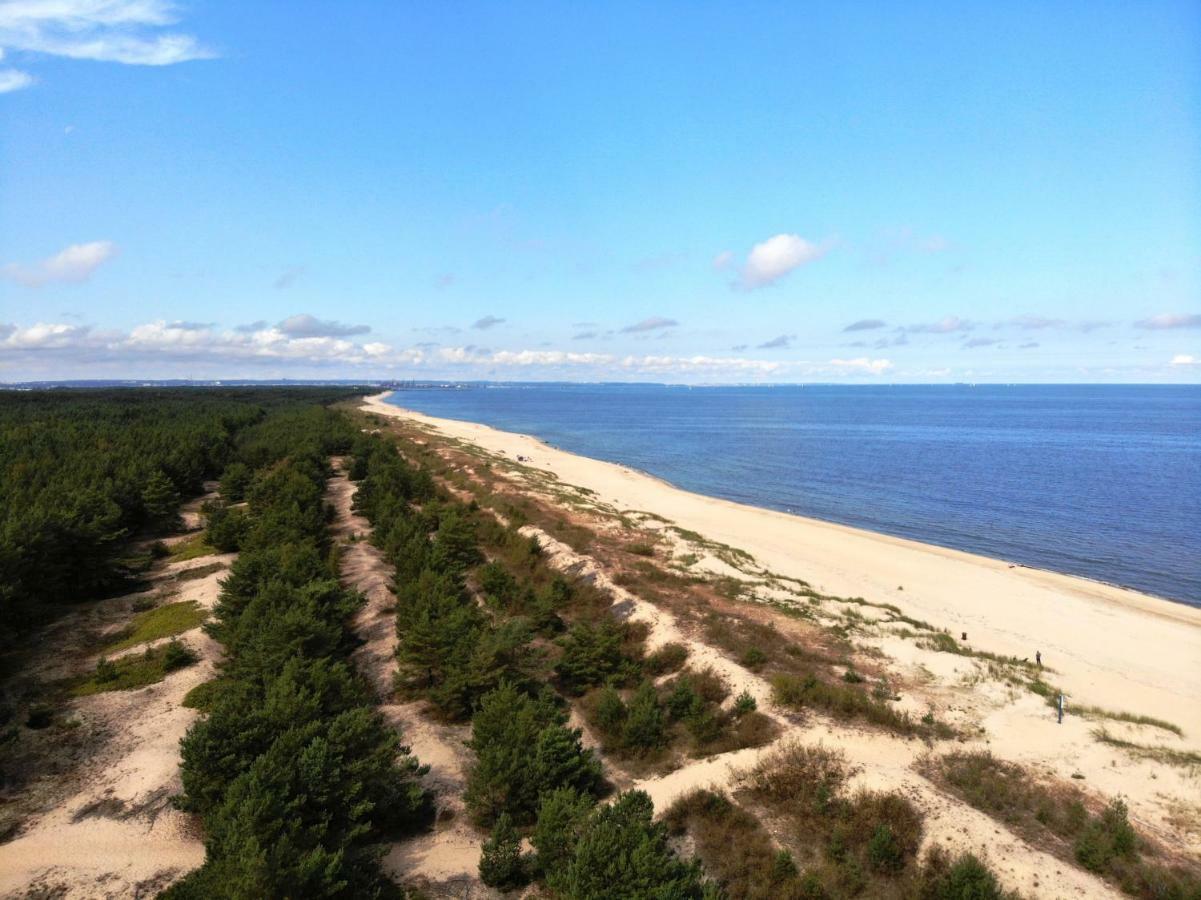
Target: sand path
x,y
444,861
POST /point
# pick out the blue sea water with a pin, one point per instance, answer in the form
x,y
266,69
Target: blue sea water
x,y
1101,481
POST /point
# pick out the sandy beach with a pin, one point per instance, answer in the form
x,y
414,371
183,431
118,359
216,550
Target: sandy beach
x,y
1107,646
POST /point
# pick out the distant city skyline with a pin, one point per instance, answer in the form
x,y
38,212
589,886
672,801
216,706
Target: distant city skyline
x,y
687,193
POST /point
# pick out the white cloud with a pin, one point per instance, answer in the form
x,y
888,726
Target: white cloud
x,y
1171,320
723,260
121,31
14,80
58,349
44,335
1185,359
862,364
772,259
71,265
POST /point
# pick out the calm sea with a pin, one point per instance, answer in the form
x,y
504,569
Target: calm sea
x,y
1100,481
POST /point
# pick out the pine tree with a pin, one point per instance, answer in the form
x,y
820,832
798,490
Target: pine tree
x,y
622,854
561,815
644,721
500,859
160,502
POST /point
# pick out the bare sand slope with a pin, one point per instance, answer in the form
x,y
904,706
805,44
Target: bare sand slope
x,y
1106,645
446,859
117,835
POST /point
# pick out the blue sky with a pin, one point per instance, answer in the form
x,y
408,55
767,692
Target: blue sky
x,y
691,192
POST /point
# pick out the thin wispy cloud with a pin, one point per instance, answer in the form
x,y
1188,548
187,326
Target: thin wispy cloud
x,y
782,342
71,265
865,325
288,277
584,336
130,32
654,323
1184,360
945,325
979,342
487,322
1167,321
303,325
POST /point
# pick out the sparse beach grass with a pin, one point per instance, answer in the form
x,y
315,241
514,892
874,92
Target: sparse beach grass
x,y
159,622
192,548
1063,820
130,672
1170,755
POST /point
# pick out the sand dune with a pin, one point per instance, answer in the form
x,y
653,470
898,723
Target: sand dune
x,y
1107,645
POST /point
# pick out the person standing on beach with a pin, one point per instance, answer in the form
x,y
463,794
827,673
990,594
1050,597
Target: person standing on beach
x,y
1059,706
1038,658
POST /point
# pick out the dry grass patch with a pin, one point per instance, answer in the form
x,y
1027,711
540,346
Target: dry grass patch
x,y
1062,820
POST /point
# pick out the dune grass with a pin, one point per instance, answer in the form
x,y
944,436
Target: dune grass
x,y
193,548
130,672
160,622
1057,818
1050,692
1184,758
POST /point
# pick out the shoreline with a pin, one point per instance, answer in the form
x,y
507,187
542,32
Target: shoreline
x,y
1106,645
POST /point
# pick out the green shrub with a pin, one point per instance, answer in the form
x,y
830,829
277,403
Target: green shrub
x,y
683,700
610,712
753,658
177,656
592,655
668,658
644,719
744,703
1106,838
106,671
965,878
500,857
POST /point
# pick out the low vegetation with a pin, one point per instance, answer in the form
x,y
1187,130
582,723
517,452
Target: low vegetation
x,y
840,843
848,701
160,622
135,670
1061,819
